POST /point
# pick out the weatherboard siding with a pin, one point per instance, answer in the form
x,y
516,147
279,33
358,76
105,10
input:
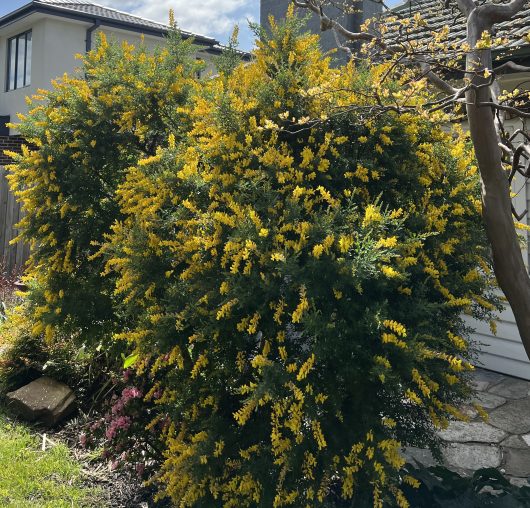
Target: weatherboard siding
x,y
504,351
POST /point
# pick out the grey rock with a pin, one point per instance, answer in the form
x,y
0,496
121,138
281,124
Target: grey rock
x,y
472,456
478,432
488,400
511,388
519,482
482,379
469,411
424,457
517,461
44,400
479,386
514,442
526,439
512,417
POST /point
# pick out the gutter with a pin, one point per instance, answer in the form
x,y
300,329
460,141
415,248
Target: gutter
x,y
56,10
89,32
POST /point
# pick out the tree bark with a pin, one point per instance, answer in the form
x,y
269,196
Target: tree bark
x,y
510,270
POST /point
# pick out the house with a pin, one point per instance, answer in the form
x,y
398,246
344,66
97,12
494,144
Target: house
x,y
38,43
501,352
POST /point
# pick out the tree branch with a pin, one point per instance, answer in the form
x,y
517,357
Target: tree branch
x,y
326,23
465,6
510,66
497,13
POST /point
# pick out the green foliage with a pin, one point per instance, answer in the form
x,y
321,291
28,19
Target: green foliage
x,y
287,254
298,269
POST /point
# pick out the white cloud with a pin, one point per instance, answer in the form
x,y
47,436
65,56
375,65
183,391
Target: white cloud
x,y
215,18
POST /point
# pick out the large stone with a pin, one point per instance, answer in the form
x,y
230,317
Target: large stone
x,y
483,379
515,442
44,400
512,417
416,455
519,482
472,456
488,400
511,388
478,432
517,461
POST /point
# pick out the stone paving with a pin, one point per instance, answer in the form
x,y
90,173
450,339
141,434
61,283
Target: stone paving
x,y
502,441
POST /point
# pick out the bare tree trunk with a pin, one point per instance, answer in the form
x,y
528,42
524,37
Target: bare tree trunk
x,y
510,270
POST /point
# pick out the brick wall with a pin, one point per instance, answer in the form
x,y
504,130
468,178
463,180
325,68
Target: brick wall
x,y
12,143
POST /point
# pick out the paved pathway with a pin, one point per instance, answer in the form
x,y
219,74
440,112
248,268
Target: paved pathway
x,y
503,441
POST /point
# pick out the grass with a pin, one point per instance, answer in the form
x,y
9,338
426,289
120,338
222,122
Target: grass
x,y
32,478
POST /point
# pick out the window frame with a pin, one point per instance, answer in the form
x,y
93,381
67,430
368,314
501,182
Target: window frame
x,y
23,36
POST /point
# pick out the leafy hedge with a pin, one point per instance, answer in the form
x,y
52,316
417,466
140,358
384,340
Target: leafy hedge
x,y
286,254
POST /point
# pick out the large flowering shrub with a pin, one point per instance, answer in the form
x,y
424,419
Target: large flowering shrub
x,y
290,265
87,131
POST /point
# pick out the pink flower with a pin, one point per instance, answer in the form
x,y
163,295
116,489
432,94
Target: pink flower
x,y
120,423
118,407
123,422
131,393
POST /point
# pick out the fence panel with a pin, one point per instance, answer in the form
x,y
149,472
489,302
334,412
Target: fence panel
x,y
13,256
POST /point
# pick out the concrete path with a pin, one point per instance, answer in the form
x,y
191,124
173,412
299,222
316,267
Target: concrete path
x,y
503,441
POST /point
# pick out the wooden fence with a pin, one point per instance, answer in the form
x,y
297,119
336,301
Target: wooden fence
x,y
12,256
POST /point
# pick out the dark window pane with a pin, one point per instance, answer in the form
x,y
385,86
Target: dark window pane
x,y
20,60
27,80
12,60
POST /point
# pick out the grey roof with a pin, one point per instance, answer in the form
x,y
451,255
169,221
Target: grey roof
x,y
106,15
102,11
437,16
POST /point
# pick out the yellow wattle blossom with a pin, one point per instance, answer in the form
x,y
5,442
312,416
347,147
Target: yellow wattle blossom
x,y
306,368
371,215
303,306
389,272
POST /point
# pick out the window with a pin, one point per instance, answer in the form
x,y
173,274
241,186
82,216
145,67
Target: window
x,y
19,61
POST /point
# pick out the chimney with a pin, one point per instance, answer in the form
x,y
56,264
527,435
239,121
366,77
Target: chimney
x,y
367,9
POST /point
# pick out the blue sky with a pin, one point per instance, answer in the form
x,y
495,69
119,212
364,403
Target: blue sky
x,y
215,18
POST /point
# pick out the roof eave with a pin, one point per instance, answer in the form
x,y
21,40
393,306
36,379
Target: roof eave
x,y
36,7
